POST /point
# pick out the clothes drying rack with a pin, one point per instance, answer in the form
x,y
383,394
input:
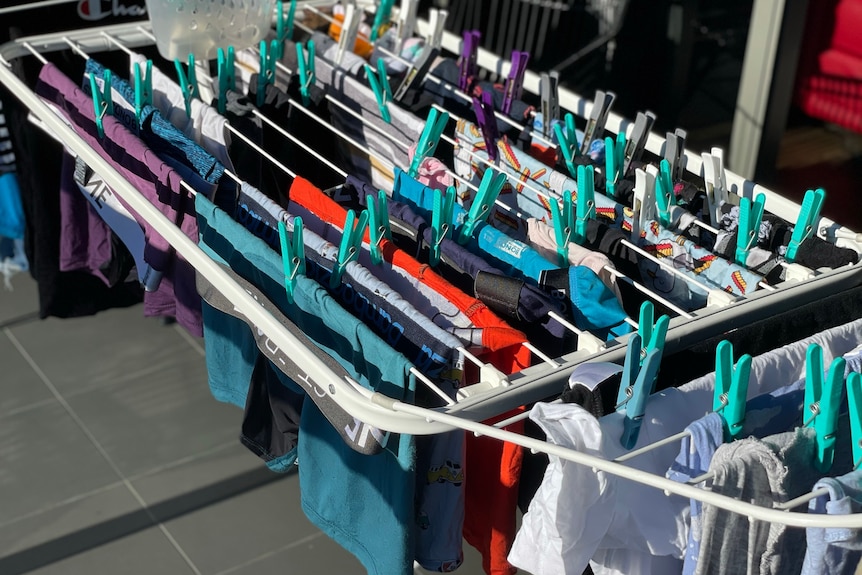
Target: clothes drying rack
x,y
495,394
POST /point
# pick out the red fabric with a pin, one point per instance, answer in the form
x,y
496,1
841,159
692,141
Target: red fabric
x,y
493,468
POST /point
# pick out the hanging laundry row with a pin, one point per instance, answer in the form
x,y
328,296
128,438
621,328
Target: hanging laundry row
x,y
425,265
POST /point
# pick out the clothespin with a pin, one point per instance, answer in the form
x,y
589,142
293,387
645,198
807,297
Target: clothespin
x,y
267,69
674,153
351,243
806,222
417,71
515,81
469,53
143,88
188,84
586,204
564,226
822,400
378,223
306,70
614,157
568,142
638,139
550,100
384,12
226,74
292,255
103,102
598,117
284,27
664,196
484,107
653,333
441,222
380,85
714,183
731,388
644,205
349,29
434,126
750,216
854,403
638,382
489,189
406,22
436,23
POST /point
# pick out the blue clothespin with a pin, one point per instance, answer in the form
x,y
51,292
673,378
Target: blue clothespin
x,y
568,143
731,388
487,121
468,66
103,102
306,70
489,189
805,225
664,196
614,159
384,11
822,400
434,126
854,403
586,204
188,84
292,255
653,333
564,226
226,75
750,215
351,243
143,88
266,75
378,222
441,222
637,385
515,81
284,27
380,85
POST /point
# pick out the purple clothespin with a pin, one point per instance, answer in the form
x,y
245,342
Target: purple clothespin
x,y
515,82
469,51
484,108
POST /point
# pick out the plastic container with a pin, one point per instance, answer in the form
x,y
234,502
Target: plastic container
x,y
200,27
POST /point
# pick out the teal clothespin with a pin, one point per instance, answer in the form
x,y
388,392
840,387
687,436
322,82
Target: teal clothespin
x,y
568,142
384,11
351,243
808,216
653,333
489,190
103,102
284,27
434,126
564,226
266,75
378,224
143,88
382,91
638,382
822,400
614,159
226,75
586,204
188,84
750,215
854,403
441,222
305,63
664,196
731,388
292,255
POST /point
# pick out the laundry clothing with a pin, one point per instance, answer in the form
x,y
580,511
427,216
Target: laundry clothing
x,y
834,550
176,295
11,210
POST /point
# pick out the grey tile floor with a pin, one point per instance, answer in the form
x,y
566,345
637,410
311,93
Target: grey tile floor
x,y
114,458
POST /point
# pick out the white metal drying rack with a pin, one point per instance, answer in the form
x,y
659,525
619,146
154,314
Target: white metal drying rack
x,y
533,384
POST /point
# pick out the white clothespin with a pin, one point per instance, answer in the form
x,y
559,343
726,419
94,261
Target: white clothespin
x,y
349,30
715,183
436,21
644,206
406,22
